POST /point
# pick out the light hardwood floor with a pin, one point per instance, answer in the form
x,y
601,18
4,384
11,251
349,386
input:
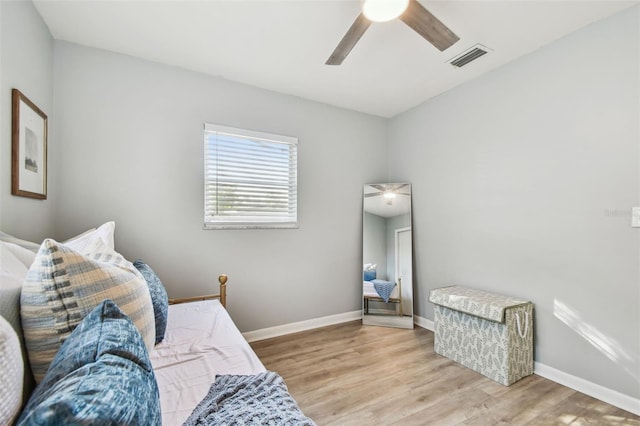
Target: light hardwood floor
x,y
350,374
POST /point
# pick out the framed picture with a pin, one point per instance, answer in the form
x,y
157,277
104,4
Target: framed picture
x,y
29,148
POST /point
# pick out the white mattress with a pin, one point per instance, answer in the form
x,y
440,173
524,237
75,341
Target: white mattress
x,y
201,341
370,291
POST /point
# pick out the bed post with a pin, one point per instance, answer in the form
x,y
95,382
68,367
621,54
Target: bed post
x,y
222,279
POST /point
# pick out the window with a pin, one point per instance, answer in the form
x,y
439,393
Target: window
x,y
250,179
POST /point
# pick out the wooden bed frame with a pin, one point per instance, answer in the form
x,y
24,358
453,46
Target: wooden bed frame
x,y
222,279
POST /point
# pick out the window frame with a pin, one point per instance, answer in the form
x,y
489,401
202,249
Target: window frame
x,y
249,221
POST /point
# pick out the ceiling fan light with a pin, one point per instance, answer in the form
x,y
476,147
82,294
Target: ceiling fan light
x,y
389,195
383,10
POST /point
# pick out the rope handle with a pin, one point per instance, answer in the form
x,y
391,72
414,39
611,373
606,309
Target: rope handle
x,y
522,334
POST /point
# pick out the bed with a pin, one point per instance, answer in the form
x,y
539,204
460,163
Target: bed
x,y
197,370
201,342
370,293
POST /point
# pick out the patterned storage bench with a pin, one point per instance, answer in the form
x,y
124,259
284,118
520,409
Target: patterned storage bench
x,y
489,333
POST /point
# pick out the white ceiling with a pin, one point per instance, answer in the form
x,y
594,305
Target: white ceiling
x,y
282,45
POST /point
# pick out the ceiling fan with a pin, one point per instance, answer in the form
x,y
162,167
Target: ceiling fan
x,y
389,191
410,12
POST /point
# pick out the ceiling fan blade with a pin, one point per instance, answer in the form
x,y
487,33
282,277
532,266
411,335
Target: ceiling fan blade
x,y
379,187
400,186
349,40
428,26
377,194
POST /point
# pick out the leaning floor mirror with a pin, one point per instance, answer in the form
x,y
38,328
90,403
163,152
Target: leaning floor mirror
x,y
387,255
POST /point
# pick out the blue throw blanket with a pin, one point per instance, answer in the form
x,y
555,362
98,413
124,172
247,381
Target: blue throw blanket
x,y
383,288
262,399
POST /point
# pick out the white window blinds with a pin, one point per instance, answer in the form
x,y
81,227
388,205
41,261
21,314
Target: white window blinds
x,y
250,179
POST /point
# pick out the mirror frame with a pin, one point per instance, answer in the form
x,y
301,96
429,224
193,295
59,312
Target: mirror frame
x,y
399,314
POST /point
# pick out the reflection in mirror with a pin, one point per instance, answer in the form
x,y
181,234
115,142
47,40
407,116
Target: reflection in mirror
x,y
387,253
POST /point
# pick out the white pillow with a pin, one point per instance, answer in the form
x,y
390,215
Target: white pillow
x,y
86,242
10,263
64,285
25,256
12,274
11,373
20,242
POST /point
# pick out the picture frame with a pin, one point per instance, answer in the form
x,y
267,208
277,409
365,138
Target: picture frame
x,y
28,149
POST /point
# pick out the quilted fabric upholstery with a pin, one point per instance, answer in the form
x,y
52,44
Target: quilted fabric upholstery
x,y
101,376
158,298
63,286
11,373
261,399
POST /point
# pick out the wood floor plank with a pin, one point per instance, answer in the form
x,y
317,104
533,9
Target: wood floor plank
x,y
350,374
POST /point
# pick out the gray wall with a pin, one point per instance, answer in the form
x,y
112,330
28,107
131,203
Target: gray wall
x,y
523,181
374,243
26,63
130,136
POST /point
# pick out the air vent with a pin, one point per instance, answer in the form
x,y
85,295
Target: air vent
x,y
469,55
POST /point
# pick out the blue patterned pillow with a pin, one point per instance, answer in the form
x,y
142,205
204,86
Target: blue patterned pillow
x,y
63,286
158,297
101,375
369,275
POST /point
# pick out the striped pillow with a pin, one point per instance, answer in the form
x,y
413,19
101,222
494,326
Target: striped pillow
x,y
63,286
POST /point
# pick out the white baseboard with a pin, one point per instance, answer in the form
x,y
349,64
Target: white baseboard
x,y
424,323
607,395
295,327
